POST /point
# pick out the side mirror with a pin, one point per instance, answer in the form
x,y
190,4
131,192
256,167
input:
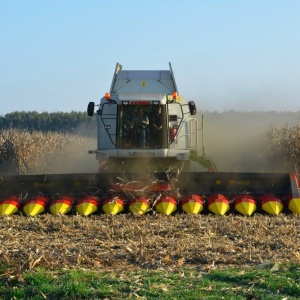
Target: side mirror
x,y
90,109
192,107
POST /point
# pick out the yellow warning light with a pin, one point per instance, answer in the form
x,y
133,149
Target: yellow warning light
x,y
107,96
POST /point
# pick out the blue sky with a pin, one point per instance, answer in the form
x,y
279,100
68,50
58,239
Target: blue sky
x,y
241,55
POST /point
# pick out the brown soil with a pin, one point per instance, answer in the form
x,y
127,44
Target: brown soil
x,y
127,242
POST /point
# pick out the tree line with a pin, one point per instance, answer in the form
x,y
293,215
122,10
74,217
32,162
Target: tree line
x,y
56,121
74,121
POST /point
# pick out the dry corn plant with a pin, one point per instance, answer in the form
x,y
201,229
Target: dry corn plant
x,y
284,146
24,152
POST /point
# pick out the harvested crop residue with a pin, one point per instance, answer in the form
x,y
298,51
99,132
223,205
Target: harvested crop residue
x,y
153,241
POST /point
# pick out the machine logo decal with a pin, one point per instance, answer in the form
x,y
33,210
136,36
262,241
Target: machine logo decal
x,y
150,153
140,103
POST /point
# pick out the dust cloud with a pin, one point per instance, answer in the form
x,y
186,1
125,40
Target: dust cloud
x,y
236,140
74,157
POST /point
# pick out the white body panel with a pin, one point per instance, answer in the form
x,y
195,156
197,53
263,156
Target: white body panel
x,y
135,153
143,82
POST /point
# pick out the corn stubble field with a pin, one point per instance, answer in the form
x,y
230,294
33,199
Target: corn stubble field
x,y
125,241
103,242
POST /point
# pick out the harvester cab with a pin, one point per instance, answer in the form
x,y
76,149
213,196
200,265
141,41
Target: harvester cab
x,y
144,118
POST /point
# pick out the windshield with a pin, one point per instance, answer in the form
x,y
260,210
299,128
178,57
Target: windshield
x,y
142,127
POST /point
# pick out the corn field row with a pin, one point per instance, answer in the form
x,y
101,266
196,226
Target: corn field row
x,y
24,152
284,146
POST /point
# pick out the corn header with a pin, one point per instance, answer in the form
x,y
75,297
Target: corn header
x,y
148,140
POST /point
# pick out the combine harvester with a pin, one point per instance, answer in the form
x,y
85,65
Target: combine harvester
x,y
147,149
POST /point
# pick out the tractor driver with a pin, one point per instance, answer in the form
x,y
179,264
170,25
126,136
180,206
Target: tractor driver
x,y
141,127
156,127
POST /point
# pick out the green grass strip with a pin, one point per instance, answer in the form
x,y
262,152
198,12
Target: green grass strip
x,y
258,283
